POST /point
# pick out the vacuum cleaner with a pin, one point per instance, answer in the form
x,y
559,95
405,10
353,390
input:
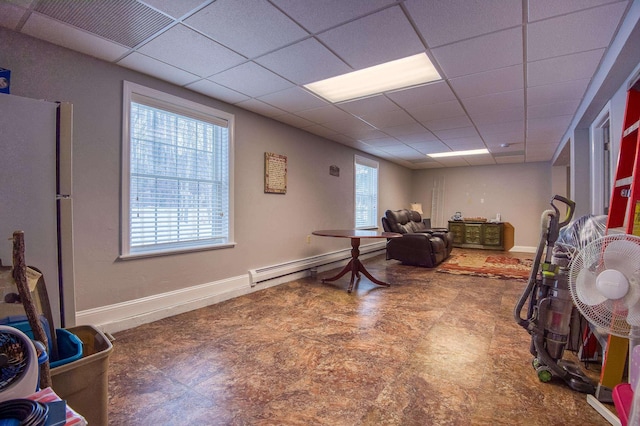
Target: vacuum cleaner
x,y
550,310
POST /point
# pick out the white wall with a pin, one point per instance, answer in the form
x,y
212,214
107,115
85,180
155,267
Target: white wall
x,y
519,192
269,228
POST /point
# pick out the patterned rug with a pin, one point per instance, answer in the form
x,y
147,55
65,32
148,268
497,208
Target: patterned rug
x,y
483,265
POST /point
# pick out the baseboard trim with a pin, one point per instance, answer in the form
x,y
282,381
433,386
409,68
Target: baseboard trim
x,y
258,275
132,313
523,249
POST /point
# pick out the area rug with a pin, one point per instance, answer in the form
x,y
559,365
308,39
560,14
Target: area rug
x,y
483,265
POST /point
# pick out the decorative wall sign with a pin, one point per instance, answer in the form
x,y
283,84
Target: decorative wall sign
x,y
334,170
275,173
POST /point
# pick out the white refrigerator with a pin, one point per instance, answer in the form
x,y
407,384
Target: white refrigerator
x,y
35,194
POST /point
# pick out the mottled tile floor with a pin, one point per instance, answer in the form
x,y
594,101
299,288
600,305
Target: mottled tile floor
x,y
432,349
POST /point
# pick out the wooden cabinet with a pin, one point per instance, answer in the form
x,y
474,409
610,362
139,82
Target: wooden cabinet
x,y
482,235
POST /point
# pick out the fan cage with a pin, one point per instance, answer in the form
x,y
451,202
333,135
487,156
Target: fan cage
x,y
14,352
610,315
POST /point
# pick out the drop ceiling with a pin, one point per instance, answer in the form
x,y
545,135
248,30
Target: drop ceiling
x,y
514,71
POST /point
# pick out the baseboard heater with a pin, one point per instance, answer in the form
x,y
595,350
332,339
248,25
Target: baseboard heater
x,y
287,268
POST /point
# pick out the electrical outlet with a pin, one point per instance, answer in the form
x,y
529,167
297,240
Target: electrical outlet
x,y
308,239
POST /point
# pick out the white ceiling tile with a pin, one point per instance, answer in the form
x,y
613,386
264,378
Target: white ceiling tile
x,y
216,91
363,133
460,132
496,139
316,16
495,102
368,105
73,38
251,79
492,51
536,157
476,44
399,149
443,22
540,147
558,92
348,141
349,124
586,30
382,119
380,142
249,27
464,143
434,92
498,128
497,115
480,160
194,52
304,62
293,120
374,39
430,147
452,161
447,123
414,138
260,107
437,111
542,9
547,129
510,159
413,156
174,8
563,68
484,83
406,129
324,114
429,165
147,65
293,99
320,130
512,149
552,110
10,15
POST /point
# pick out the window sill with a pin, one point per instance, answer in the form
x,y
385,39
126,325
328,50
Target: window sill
x,y
174,251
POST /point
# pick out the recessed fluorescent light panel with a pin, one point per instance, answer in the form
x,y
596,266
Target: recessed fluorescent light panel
x,y
457,153
398,74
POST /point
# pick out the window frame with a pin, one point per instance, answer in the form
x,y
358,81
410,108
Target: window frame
x,y
602,161
364,161
133,92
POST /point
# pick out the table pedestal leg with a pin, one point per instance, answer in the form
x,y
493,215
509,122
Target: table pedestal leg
x,y
355,266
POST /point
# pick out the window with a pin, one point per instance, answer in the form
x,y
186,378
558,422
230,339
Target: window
x,y
177,168
366,199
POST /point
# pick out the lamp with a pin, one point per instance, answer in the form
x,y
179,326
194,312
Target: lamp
x,y
417,207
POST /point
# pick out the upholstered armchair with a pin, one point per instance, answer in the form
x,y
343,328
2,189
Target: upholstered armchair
x,y
419,245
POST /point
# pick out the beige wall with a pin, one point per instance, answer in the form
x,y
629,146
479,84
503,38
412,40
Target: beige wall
x,y
519,192
269,228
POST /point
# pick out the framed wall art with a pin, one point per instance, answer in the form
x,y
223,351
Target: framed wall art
x,y
275,173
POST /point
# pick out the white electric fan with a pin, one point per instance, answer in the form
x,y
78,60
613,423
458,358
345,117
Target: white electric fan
x,y
604,281
18,364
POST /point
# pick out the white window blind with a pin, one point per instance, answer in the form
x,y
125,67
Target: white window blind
x,y
366,196
179,178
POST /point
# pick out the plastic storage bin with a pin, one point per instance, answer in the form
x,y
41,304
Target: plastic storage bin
x,y
84,383
69,348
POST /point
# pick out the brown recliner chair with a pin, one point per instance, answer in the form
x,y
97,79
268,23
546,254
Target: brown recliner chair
x,y
419,245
